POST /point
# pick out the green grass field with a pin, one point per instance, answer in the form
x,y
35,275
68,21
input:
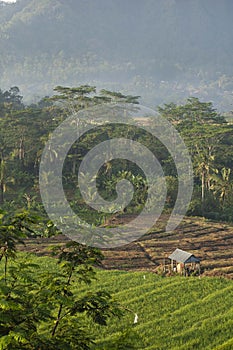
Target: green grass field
x,y
175,313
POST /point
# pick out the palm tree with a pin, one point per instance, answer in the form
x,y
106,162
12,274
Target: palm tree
x,y
204,160
221,184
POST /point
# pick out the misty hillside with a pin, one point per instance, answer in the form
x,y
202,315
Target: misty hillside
x,y
160,49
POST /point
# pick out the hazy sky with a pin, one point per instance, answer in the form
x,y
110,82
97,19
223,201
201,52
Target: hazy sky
x,y
8,0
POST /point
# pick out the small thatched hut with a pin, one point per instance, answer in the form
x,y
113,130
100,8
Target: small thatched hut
x,y
184,262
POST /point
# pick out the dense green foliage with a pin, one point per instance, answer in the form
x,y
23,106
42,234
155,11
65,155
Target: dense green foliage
x,y
24,131
209,140
43,303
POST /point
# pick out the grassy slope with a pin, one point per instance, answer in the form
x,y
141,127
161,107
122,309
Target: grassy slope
x,y
174,312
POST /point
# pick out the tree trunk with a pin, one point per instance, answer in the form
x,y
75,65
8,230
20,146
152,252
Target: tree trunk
x,y
1,192
202,187
2,171
74,166
202,192
21,149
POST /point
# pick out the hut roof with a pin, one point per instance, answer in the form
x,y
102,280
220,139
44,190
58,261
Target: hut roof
x,y
183,257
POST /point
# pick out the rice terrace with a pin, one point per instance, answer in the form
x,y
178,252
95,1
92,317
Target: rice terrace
x,y
164,290
116,175
173,312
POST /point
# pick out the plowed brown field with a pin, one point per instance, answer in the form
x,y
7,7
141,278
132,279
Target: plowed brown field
x,y
210,241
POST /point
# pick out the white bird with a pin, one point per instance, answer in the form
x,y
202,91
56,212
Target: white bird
x,y
135,318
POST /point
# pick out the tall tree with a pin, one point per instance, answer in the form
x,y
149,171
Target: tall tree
x,y
222,185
